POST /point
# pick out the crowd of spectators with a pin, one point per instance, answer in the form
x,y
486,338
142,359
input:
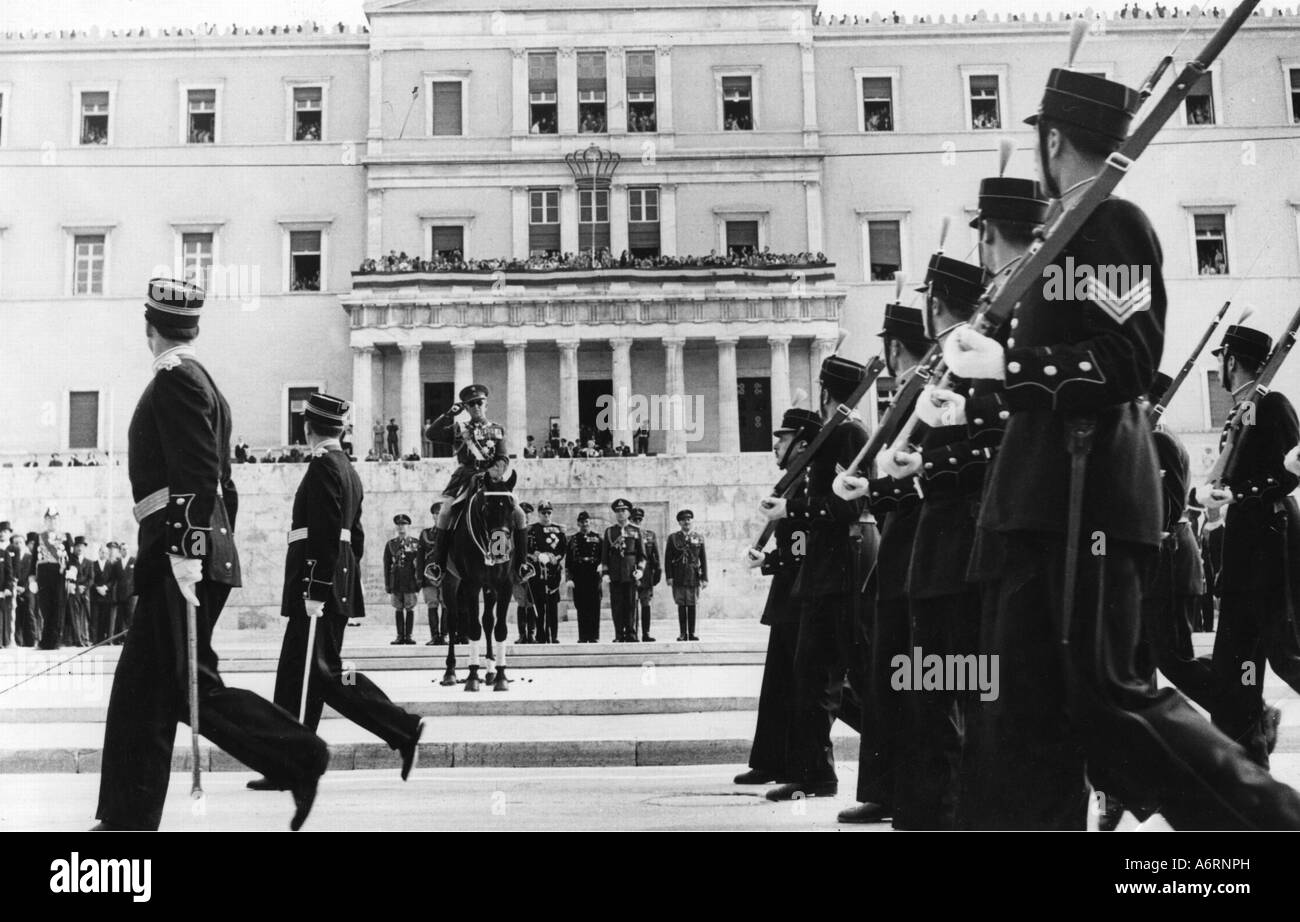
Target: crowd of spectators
x,y
602,258
57,459
1129,11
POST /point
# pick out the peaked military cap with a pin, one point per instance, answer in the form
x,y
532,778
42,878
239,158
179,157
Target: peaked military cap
x,y
171,303
684,515
327,410
1245,343
473,392
1098,105
401,519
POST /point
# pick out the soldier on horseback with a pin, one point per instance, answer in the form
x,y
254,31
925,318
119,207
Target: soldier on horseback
x,y
481,451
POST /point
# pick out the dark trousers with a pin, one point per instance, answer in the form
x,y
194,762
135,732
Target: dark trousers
x,y
103,621
822,651
936,718
526,620
77,628
1254,628
880,774
772,732
1061,708
586,599
50,603
1167,646
27,619
644,594
622,608
7,621
546,604
151,694
124,612
354,696
437,621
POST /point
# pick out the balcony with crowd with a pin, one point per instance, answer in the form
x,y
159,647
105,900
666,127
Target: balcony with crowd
x,y
587,260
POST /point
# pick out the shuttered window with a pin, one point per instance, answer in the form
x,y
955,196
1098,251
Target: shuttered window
x,y
83,419
448,239
885,250
542,73
446,107
742,237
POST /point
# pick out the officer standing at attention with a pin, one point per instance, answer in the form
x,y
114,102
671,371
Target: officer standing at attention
x,y
178,458
548,544
686,570
622,562
645,590
431,590
582,571
402,578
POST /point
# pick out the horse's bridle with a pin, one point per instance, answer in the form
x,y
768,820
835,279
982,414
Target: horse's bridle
x,y
487,554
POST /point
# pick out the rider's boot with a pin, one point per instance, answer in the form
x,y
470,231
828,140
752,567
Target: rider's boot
x,y
438,554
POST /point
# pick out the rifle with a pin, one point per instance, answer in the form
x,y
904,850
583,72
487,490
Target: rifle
x,y
1226,464
795,472
1158,409
1068,220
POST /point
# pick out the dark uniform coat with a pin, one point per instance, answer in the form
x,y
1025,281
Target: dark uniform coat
x,y
326,540
622,552
782,564
686,565
654,570
828,568
479,447
402,572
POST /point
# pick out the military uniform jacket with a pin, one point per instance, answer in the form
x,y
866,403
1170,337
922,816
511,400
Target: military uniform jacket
x,y
622,552
782,564
582,556
828,568
1178,570
326,540
402,565
654,569
685,560
547,540
1082,348
482,446
179,465
1261,539
896,504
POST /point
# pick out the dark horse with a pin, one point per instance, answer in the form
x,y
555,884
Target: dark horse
x,y
479,558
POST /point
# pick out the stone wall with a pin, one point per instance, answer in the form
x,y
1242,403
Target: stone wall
x,y
722,490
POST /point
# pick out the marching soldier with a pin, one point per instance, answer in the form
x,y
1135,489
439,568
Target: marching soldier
x,y
1257,579
622,562
322,580
767,756
179,464
645,589
402,578
1077,447
431,590
548,545
686,571
582,571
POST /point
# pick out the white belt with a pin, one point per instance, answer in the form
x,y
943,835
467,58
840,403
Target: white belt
x,y
300,534
154,502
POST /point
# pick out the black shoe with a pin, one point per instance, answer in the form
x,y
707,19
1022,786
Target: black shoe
x,y
409,640
394,643
755,776
265,784
646,638
693,637
103,826
433,642
681,637
1271,718
411,751
555,640
630,638
303,797
865,813
804,789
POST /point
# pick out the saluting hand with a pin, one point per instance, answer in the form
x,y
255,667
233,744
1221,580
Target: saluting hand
x,y
973,355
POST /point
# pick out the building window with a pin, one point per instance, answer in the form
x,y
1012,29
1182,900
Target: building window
x,y
543,221
543,117
447,242
298,396
196,258
643,222
884,250
738,103
83,420
1199,104
308,113
877,104
591,93
446,99
742,238
1211,244
641,91
593,219
201,115
305,260
88,264
985,101
94,118
1294,75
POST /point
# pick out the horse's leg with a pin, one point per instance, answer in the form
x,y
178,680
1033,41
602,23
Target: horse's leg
x,y
503,605
449,589
489,623
469,597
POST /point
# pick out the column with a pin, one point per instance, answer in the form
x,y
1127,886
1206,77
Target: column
x,y
622,368
519,222
568,389
780,375
412,434
812,192
566,91
809,94
568,219
363,375
823,347
519,92
463,369
668,219
728,402
375,131
617,218
374,223
664,89
616,92
675,390
516,398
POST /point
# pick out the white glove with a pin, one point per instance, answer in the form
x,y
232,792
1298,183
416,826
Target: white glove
x,y
850,487
900,464
753,558
1292,461
188,571
637,574
569,583
314,609
973,355
773,507
1212,497
938,406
